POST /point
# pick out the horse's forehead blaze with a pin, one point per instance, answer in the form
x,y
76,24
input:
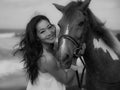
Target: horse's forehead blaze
x,y
100,44
64,41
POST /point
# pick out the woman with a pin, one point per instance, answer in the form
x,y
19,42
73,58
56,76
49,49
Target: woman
x,y
40,63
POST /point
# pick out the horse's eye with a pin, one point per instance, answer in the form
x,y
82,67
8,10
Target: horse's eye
x,y
81,23
59,25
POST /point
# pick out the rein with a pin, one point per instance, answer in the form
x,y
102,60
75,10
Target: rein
x,y
77,54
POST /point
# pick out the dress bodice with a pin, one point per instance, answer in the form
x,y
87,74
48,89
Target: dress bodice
x,y
45,81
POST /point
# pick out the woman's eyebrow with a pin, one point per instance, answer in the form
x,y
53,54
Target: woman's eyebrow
x,y
46,27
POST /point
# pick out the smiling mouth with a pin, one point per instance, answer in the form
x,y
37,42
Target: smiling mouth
x,y
51,36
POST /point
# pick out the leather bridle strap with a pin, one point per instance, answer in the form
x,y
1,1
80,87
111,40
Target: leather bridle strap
x,y
71,39
78,48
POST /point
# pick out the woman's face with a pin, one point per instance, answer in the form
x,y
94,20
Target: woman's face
x,y
46,31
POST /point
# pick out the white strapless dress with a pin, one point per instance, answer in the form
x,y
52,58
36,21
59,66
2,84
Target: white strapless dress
x,y
45,81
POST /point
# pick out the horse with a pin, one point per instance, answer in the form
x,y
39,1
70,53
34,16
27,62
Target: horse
x,y
79,26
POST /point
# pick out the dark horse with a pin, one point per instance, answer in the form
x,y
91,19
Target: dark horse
x,y
79,25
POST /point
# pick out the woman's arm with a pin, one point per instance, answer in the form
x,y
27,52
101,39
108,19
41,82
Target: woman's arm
x,y
60,74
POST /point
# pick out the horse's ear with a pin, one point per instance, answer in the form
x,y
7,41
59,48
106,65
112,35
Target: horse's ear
x,y
85,4
59,7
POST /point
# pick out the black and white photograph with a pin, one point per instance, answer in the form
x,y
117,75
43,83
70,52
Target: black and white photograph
x,y
59,44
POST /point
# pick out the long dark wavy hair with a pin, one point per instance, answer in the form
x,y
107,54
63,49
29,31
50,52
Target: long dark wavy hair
x,y
31,48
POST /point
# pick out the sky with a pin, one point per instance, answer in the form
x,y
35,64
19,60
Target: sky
x,y
15,14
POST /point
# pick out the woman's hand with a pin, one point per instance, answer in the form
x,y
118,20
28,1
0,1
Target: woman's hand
x,y
74,67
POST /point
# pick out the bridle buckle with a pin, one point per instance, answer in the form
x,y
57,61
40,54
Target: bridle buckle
x,y
79,51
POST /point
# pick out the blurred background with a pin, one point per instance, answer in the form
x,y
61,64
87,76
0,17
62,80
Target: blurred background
x,y
15,14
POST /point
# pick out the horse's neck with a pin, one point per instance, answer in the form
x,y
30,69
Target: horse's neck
x,y
101,48
99,61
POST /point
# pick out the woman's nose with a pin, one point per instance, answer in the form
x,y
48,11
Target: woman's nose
x,y
50,31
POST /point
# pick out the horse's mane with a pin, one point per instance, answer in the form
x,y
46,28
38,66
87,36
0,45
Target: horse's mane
x,y
98,27
101,30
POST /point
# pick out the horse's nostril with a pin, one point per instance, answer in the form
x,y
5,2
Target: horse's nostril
x,y
66,62
66,57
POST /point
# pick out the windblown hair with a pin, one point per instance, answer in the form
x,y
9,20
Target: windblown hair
x,y
31,48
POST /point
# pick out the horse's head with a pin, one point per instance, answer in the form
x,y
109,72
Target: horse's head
x,y
72,29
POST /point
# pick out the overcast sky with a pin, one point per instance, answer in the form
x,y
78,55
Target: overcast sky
x,y
15,14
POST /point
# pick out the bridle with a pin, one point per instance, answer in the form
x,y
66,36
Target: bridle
x,y
77,45
77,51
77,54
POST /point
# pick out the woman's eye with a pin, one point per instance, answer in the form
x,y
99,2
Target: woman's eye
x,y
50,26
42,32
